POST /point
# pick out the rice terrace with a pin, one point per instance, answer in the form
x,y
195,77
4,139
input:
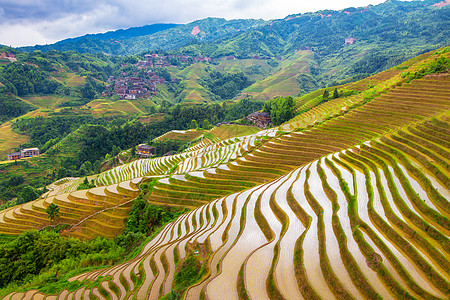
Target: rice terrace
x,y
204,170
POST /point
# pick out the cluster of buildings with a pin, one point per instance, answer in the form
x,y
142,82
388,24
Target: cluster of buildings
x,y
24,153
133,87
260,119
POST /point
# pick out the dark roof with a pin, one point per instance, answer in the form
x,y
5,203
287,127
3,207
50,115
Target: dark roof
x,y
144,146
14,154
259,114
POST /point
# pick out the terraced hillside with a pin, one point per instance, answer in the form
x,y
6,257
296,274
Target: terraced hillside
x,y
95,212
366,222
352,204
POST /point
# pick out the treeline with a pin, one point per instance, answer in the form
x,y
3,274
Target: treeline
x,y
226,85
11,107
24,79
46,132
15,186
215,113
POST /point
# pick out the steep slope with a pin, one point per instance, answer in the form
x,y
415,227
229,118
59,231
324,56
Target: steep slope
x,y
352,204
365,222
283,82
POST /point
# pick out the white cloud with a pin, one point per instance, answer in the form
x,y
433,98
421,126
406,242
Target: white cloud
x,y
28,22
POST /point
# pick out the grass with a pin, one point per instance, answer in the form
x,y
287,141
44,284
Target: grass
x,y
74,80
47,101
10,140
182,135
284,81
227,131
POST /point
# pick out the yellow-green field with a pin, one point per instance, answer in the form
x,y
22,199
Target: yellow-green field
x,y
152,118
101,107
74,80
284,81
194,93
255,69
182,135
227,131
10,140
48,101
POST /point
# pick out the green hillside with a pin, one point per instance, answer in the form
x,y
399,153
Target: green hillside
x,y
349,201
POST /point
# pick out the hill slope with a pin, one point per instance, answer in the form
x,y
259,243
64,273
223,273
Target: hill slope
x,y
357,198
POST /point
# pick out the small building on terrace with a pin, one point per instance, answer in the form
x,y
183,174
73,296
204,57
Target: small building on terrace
x,y
24,153
29,152
260,119
145,150
13,156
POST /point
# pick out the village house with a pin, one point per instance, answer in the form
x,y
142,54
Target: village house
x,y
260,119
29,152
13,156
145,150
349,41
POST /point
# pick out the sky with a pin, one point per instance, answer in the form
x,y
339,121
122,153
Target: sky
x,y
31,22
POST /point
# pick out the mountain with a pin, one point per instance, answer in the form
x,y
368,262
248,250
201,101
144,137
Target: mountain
x,y
153,37
387,24
343,46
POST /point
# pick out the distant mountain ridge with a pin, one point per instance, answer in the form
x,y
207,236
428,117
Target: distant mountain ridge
x,y
122,34
153,37
324,31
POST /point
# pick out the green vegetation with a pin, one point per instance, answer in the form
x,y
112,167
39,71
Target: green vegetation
x,y
27,79
226,86
52,211
85,184
11,107
191,270
144,217
280,109
15,186
45,260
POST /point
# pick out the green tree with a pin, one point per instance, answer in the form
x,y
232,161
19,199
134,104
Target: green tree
x,y
325,95
194,124
115,150
86,168
28,194
52,211
97,166
62,172
335,93
206,124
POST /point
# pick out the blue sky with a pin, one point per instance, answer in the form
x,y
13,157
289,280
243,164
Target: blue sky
x,y
30,22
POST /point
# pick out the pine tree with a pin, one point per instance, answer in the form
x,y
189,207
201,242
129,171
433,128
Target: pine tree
x,y
335,94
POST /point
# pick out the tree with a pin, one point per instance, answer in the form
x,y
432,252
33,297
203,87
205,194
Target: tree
x,y
325,95
86,168
62,172
28,194
335,94
97,166
52,211
194,124
206,124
